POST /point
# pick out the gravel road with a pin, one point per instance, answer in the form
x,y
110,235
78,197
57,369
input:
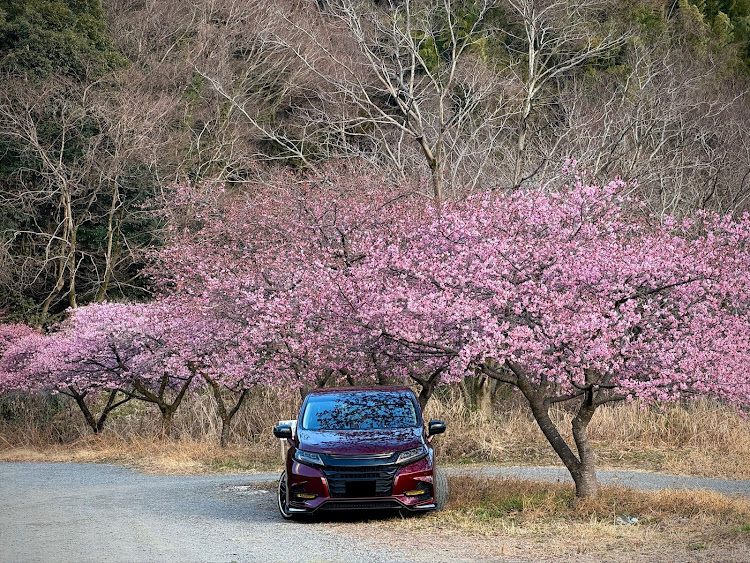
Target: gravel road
x,y
629,479
85,512
93,513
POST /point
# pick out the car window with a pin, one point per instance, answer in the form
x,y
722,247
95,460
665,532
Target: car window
x,y
359,411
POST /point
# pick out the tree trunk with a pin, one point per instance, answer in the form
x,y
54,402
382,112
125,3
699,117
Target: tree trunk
x,y
225,415
160,399
521,143
520,153
109,254
109,407
72,296
424,395
224,438
167,416
96,424
427,385
59,284
80,399
479,394
585,475
433,156
437,183
585,480
582,468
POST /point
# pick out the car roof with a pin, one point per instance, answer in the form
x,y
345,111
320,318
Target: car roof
x,y
345,390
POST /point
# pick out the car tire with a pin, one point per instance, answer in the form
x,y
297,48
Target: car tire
x,y
440,488
281,498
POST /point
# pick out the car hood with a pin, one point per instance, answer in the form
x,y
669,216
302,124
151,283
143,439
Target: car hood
x,y
357,442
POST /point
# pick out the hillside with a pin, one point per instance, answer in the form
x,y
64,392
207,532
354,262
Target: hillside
x,y
103,104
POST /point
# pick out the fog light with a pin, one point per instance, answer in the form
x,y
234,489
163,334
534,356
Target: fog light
x,y
304,496
422,490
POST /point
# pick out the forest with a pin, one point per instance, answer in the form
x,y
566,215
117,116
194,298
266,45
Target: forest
x,y
541,197
104,104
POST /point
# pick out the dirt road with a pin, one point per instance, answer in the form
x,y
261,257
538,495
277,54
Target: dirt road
x,y
96,513
83,512
629,479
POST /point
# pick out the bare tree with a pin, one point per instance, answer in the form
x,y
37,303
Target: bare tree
x,y
549,41
388,80
490,93
431,84
663,119
450,87
69,191
49,180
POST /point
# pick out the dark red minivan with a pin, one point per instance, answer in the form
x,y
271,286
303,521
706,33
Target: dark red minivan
x,y
360,448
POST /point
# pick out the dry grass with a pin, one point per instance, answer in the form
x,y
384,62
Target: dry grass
x,y
132,436
491,499
156,456
701,438
497,518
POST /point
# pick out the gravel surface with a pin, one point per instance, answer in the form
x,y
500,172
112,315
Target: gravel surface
x,y
80,513
629,479
86,512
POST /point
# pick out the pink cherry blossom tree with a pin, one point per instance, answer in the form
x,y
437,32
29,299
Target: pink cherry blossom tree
x,y
204,341
573,297
155,352
221,268
161,368
11,333
129,351
78,358
11,337
269,258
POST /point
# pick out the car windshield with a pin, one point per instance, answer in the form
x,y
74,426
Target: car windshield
x,y
359,411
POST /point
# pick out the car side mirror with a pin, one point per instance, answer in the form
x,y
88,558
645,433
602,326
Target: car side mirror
x,y
283,431
435,427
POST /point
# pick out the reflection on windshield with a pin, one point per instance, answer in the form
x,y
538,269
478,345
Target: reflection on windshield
x,y
359,411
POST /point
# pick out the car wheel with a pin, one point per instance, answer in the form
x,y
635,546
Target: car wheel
x,y
281,498
440,488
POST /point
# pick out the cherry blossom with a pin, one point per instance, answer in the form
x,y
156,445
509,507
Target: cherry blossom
x,y
572,296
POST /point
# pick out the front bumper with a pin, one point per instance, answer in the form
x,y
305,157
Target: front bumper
x,y
373,485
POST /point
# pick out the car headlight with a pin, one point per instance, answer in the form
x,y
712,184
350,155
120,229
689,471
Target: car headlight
x,y
308,458
412,455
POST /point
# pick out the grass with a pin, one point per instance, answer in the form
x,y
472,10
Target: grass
x,y
492,500
700,439
494,517
170,457
132,436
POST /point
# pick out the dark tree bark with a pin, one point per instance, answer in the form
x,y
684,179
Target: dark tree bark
x,y
540,396
225,414
427,384
95,423
161,398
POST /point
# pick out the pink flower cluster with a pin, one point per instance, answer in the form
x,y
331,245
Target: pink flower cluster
x,y
343,273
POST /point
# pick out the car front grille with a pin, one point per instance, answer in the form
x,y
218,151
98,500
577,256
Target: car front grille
x,y
372,481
